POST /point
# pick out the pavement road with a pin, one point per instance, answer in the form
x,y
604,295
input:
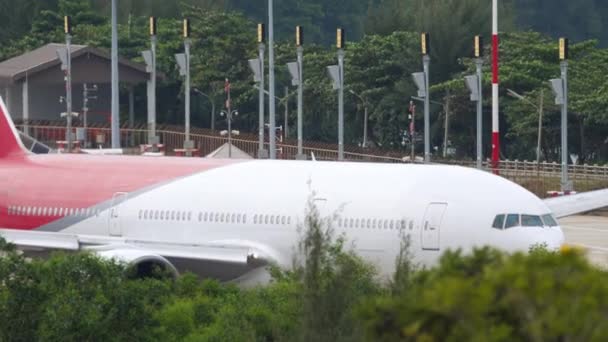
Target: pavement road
x,y
591,233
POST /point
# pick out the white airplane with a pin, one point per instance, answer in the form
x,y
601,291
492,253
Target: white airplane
x,y
229,219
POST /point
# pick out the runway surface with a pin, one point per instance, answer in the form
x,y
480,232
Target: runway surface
x,y
590,232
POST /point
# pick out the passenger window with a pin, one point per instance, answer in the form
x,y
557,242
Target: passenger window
x,y
189,216
162,215
512,221
234,218
156,214
549,220
499,222
283,220
392,224
369,223
244,218
531,221
217,217
266,219
288,219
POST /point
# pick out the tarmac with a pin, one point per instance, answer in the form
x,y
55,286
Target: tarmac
x,y
590,233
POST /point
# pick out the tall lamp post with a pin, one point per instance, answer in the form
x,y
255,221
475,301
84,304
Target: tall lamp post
x,y
560,89
262,153
272,119
474,83
152,139
365,117
422,82
198,91
115,85
540,109
68,79
296,71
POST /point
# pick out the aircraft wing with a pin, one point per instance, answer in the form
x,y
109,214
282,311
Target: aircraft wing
x,y
222,260
575,204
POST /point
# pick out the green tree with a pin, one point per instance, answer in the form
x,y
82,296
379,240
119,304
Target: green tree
x,y
490,296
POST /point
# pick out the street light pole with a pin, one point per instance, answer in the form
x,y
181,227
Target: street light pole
x,y
479,66
262,153
340,45
426,60
300,52
540,126
564,75
198,91
152,140
68,80
272,120
187,43
365,116
115,85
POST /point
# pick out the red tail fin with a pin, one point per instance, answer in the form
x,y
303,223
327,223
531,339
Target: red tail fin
x,y
10,143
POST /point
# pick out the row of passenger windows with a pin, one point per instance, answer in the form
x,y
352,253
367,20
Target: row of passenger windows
x,y
51,211
213,217
370,223
506,221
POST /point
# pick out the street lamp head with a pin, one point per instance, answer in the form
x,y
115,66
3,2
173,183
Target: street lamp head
x,y
514,94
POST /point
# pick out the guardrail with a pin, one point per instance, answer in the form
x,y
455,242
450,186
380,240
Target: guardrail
x,y
538,178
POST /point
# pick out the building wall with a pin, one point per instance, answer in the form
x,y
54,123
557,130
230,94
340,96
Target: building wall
x,y
44,102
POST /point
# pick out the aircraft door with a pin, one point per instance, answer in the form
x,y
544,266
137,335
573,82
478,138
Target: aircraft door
x,y
115,227
431,226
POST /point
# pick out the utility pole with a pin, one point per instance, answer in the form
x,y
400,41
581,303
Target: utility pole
x,y
563,56
412,111
286,104
540,127
560,89
447,124
188,144
272,120
478,52
340,45
115,85
68,79
426,61
300,53
262,153
152,138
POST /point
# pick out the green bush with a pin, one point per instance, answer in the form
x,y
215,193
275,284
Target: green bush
x,y
491,296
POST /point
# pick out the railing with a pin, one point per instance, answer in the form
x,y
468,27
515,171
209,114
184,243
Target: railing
x,y
538,178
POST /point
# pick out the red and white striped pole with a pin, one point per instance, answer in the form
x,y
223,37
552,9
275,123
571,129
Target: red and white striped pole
x,y
495,80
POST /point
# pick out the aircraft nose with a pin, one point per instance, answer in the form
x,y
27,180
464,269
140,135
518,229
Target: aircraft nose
x,y
555,239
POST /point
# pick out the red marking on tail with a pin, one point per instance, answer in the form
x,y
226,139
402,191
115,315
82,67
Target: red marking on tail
x,y
10,143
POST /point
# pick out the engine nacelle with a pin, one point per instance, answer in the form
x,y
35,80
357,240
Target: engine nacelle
x,y
141,261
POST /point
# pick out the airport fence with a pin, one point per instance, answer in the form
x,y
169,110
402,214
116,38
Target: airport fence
x,y
540,178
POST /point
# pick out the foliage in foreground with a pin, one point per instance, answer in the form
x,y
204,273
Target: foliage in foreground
x,y
331,295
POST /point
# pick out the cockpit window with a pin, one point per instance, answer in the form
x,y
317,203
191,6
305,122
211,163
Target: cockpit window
x,y
531,221
549,220
512,221
499,222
